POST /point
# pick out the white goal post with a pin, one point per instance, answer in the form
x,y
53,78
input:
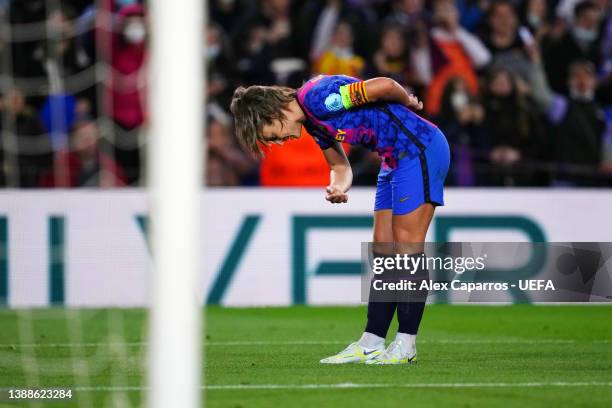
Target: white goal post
x,y
175,162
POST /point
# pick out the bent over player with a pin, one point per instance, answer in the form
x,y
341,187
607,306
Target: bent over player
x,y
415,160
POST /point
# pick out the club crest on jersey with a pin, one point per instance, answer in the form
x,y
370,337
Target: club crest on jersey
x,y
340,135
333,102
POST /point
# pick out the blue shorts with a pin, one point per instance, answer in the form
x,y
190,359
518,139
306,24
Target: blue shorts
x,y
415,180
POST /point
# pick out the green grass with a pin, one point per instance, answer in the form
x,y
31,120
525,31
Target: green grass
x,y
511,356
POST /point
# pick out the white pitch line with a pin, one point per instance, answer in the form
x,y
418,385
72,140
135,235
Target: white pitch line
x,y
70,345
302,343
426,341
357,385
275,343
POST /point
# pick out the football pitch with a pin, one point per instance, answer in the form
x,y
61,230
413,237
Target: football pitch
x,y
469,356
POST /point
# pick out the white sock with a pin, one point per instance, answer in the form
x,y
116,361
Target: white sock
x,y
408,342
371,341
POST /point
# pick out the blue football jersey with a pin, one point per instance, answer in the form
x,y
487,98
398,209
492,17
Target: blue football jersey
x,y
391,129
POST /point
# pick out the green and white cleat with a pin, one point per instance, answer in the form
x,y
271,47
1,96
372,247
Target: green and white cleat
x,y
354,353
395,354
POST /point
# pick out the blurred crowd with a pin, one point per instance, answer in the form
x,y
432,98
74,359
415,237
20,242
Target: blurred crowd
x,y
522,89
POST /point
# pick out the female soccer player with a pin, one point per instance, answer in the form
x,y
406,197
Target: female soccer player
x,y
415,159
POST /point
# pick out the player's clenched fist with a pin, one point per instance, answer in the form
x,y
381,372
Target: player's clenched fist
x,y
414,103
336,195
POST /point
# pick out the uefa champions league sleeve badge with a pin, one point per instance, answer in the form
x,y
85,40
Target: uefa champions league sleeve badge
x,y
333,102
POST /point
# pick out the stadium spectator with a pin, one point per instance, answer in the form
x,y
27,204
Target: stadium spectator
x,y
316,21
85,35
460,119
225,13
392,59
580,42
408,13
453,52
22,52
513,136
534,15
254,56
272,18
564,9
64,64
26,147
54,56
471,12
84,164
424,56
54,63
220,66
339,57
577,120
503,40
127,60
59,48
428,47
227,164
126,86
414,19
606,48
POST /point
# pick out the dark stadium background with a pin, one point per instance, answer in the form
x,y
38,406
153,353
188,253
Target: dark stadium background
x,y
73,90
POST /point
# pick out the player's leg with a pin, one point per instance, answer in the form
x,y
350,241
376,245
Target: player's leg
x,y
417,187
409,232
372,341
411,229
380,314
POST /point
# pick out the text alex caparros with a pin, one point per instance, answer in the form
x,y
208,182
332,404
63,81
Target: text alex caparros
x,y
412,264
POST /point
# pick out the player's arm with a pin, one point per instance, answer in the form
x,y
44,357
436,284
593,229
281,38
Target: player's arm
x,y
341,175
377,89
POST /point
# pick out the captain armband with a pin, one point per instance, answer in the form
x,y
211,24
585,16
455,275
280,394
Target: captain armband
x,y
354,94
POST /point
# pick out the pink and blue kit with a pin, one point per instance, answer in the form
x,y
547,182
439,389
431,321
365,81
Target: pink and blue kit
x,y
415,154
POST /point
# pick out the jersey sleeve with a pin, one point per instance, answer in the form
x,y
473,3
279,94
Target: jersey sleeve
x,y
319,136
334,95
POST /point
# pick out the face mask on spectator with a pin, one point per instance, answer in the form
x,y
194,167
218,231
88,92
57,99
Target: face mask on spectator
x,y
459,100
587,96
135,32
533,20
584,35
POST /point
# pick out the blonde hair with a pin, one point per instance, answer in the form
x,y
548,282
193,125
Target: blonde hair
x,y
257,106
